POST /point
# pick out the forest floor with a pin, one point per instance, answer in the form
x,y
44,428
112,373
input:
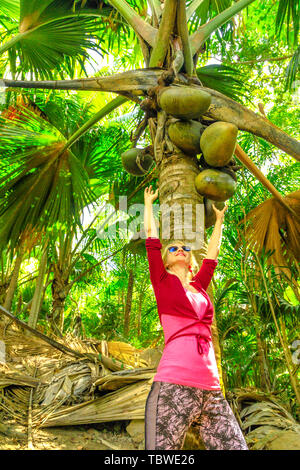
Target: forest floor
x,y
104,436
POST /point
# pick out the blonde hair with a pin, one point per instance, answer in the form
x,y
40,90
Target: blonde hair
x,y
193,262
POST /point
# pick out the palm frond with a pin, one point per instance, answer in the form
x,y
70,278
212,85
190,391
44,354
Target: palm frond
x,y
224,79
42,188
49,32
46,46
288,13
201,11
271,228
292,70
10,8
221,295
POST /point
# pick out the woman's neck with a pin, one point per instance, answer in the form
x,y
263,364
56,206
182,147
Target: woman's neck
x,y
181,272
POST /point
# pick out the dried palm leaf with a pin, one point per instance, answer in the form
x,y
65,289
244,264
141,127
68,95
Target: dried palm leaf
x,y
117,380
125,353
262,418
11,376
126,403
271,227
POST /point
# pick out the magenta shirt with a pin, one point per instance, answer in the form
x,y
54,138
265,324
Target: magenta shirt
x,y
186,317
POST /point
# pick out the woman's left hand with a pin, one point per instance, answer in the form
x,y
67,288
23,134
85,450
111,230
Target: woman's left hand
x,y
220,214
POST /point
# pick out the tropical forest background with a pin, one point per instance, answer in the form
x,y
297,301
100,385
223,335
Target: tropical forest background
x,y
68,269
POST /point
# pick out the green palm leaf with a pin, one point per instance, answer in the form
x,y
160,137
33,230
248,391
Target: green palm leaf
x,y
200,11
224,79
292,70
43,49
41,187
50,31
10,8
288,13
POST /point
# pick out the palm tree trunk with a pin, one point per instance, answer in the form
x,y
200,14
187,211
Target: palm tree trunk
x,y
14,280
128,302
38,293
60,289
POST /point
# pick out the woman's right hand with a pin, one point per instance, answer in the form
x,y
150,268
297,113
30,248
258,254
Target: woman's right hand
x,y
149,195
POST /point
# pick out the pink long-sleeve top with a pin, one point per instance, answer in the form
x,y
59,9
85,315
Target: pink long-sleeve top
x,y
188,357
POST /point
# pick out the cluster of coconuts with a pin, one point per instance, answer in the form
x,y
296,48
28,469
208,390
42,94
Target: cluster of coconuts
x,y
216,142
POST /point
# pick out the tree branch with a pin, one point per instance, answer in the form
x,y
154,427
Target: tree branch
x,y
223,108
266,59
138,82
163,37
130,84
184,34
144,29
199,37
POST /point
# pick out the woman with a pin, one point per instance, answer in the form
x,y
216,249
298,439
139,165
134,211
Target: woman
x,y
186,388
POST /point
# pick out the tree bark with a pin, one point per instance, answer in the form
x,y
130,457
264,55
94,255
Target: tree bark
x,y
38,293
60,290
139,315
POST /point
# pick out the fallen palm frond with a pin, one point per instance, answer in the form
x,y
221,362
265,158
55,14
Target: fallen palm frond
x,y
263,419
125,353
12,376
271,228
120,379
68,375
61,346
270,421
126,403
71,382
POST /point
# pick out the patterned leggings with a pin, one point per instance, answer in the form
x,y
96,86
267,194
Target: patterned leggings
x,y
172,408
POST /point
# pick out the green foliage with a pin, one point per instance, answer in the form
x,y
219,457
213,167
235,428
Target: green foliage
x,y
292,70
289,12
10,8
206,10
224,79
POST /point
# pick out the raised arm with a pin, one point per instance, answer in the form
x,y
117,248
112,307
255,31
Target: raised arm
x,y
209,263
149,222
153,244
214,244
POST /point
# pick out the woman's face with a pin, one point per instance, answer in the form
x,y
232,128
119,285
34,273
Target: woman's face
x,y
179,257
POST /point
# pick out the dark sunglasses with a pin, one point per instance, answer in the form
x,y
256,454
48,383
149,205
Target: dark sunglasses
x,y
172,249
